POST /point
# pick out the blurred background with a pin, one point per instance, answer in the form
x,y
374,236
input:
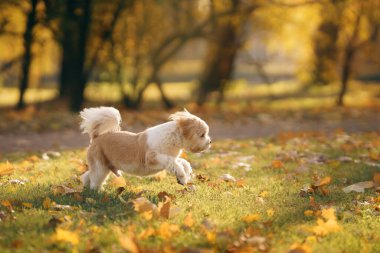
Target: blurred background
x,y
239,57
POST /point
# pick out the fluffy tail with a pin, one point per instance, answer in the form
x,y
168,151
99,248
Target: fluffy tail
x,y
100,120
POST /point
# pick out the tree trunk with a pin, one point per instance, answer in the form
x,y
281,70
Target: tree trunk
x,y
27,59
346,71
325,48
220,60
75,27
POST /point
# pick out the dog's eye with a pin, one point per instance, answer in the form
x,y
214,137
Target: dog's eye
x,y
203,135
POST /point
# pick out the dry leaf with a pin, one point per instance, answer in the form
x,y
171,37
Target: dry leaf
x,y
358,187
47,203
308,212
7,204
300,248
146,233
322,182
118,182
166,230
6,169
62,235
26,204
376,179
61,190
327,224
128,244
251,218
270,212
227,178
189,221
142,205
277,164
163,195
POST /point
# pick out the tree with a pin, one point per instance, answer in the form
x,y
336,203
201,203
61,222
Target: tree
x,y
361,27
325,55
31,21
222,49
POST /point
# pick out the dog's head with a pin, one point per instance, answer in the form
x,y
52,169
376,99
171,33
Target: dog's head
x,y
194,131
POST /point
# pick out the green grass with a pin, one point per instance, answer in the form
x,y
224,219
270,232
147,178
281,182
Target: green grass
x,y
96,217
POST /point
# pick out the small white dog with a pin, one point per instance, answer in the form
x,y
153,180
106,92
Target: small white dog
x,y
145,153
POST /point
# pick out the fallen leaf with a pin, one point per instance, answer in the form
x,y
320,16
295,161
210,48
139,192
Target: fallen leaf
x,y
6,169
61,190
166,230
308,213
90,201
128,244
63,235
146,233
189,221
251,218
8,205
270,212
277,164
118,182
322,182
47,203
16,181
163,195
376,179
300,248
26,204
142,205
33,158
358,187
327,224
202,178
227,178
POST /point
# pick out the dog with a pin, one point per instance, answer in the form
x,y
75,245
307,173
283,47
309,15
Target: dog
x,y
146,153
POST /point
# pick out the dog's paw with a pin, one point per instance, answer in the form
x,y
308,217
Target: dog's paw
x,y
182,180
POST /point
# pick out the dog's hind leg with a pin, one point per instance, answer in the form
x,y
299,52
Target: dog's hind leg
x,y
98,174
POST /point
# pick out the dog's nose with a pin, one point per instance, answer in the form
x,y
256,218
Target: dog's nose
x,y
209,141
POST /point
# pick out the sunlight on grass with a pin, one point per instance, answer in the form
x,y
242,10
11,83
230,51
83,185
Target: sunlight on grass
x,y
270,174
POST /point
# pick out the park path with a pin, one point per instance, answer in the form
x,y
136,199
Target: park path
x,y
240,129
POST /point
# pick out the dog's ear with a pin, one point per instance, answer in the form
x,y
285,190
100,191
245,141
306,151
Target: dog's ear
x,y
186,123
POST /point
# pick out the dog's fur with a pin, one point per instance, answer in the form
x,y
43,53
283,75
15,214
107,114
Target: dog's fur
x,y
145,153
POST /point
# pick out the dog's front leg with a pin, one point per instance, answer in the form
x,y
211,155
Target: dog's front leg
x,y
172,165
187,167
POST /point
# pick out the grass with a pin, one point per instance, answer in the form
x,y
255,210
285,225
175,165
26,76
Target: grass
x,y
268,191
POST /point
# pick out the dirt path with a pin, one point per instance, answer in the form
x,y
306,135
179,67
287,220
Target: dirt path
x,y
248,128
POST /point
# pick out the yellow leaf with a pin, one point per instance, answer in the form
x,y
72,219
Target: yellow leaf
x,y
264,194
128,244
270,212
165,209
33,158
326,225
189,221
28,205
144,205
308,212
146,233
311,239
62,235
47,203
210,236
118,182
167,230
6,168
251,218
148,215
299,248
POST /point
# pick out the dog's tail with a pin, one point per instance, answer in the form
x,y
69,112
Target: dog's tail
x,y
100,120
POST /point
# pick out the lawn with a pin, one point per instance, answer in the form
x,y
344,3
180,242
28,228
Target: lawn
x,y
287,195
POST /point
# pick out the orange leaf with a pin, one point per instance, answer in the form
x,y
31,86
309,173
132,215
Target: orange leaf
x,y
322,182
277,164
